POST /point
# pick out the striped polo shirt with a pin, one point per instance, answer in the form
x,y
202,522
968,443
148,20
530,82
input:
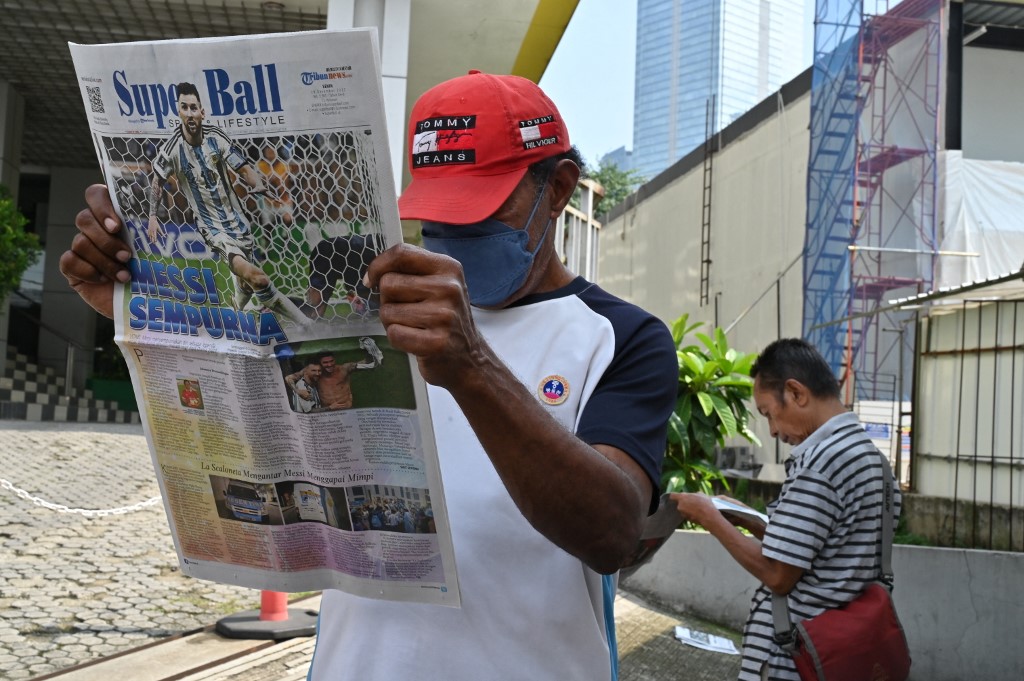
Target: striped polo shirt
x,y
827,520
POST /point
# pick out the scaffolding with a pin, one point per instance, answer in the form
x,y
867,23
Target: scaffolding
x,y
872,182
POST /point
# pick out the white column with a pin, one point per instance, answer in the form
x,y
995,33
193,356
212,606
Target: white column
x,y
12,119
340,14
62,309
392,20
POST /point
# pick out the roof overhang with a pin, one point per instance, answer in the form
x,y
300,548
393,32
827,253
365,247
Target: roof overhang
x,y
1006,286
447,38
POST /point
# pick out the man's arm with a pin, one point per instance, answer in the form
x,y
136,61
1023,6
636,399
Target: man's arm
x,y
589,500
156,192
291,379
374,355
97,255
778,576
304,394
372,364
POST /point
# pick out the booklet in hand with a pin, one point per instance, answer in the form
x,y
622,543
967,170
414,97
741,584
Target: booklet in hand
x,y
731,510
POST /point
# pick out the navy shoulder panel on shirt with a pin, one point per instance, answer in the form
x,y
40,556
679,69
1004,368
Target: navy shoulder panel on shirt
x,y
636,395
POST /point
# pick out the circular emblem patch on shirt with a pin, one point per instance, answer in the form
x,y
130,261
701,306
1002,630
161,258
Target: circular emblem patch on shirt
x,y
554,389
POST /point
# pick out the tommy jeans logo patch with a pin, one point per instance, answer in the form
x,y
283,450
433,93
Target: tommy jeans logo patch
x,y
538,132
444,140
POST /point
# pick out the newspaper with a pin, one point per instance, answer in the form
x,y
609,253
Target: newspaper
x,y
738,512
292,444
706,641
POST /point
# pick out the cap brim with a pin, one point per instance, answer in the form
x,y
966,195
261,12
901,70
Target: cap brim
x,y
457,200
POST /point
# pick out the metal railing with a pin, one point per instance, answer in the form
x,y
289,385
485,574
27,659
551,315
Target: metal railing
x,y
970,418
577,232
70,344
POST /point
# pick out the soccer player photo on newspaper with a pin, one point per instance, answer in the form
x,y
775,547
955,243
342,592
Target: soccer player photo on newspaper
x,y
285,224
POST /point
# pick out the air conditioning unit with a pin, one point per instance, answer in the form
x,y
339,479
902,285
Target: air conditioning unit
x,y
739,457
737,461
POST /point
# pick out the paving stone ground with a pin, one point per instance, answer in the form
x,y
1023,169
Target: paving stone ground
x,y
74,589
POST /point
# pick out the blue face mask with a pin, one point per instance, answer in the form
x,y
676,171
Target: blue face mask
x,y
493,255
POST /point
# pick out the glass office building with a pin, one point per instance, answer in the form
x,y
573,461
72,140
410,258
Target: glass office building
x,y
687,50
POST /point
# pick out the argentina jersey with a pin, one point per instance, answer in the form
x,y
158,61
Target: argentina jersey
x,y
201,173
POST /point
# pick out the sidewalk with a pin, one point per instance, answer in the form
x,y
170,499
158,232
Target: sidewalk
x,y
89,598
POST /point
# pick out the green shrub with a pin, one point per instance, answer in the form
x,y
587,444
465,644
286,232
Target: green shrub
x,y
19,249
711,407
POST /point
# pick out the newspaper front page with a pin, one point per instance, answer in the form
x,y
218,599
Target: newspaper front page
x,y
292,444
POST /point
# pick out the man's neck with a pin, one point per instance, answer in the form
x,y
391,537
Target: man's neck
x,y
827,410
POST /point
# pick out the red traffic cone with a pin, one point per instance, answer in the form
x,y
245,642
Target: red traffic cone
x,y
274,620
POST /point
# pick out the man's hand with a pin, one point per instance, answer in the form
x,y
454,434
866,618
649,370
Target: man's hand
x,y
778,576
98,255
154,230
424,307
696,508
370,346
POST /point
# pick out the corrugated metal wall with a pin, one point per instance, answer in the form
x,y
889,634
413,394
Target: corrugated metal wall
x,y
970,418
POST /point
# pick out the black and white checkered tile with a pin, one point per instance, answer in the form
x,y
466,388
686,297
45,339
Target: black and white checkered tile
x,y
32,393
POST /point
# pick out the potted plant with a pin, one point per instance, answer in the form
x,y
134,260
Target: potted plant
x,y
714,388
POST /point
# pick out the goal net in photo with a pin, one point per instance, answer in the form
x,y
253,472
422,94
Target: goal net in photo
x,y
314,229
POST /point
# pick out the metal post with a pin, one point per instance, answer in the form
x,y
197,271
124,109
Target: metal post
x,y
899,402
899,413
69,369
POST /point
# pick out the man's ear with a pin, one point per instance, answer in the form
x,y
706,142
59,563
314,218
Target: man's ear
x,y
563,181
798,392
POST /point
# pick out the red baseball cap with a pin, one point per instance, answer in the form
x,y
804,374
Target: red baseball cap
x,y
471,140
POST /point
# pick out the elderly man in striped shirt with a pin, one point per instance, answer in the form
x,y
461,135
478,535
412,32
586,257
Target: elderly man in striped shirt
x,y
822,543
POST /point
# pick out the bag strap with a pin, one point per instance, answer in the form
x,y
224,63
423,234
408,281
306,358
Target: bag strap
x,y
785,635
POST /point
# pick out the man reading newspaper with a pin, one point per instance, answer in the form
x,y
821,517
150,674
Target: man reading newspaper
x,y
549,399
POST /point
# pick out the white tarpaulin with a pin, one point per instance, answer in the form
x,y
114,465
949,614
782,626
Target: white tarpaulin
x,y
984,214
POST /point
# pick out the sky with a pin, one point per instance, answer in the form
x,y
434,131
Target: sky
x,y
590,76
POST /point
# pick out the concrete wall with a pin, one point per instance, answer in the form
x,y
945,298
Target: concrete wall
x,y
979,525
962,610
650,249
992,101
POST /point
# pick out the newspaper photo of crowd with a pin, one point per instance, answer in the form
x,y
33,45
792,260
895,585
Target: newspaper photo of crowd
x,y
388,508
